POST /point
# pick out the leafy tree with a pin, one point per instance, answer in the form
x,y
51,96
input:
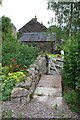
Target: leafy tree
x,y
72,64
6,27
0,2
0,40
0,25
61,35
11,48
67,14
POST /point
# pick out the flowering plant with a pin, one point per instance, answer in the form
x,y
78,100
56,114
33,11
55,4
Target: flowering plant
x,y
14,67
8,81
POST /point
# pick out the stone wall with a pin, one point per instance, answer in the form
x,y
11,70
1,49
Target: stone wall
x,y
42,45
23,91
14,30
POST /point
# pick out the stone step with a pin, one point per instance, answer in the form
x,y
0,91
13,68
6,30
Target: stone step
x,y
54,101
50,81
46,91
41,98
51,101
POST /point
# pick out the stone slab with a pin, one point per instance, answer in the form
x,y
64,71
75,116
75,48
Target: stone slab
x,y
41,98
48,91
50,81
53,101
19,92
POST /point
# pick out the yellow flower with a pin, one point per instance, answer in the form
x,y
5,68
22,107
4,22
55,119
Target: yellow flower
x,y
9,73
18,80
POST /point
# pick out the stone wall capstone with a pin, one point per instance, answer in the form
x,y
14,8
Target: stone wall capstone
x,y
23,91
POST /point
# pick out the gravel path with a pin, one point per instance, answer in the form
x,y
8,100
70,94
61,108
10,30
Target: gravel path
x,y
36,109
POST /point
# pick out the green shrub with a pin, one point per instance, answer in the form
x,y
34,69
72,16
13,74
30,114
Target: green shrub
x,y
8,81
23,54
26,55
72,64
71,73
72,98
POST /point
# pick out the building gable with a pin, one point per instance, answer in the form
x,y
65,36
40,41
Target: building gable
x,y
32,26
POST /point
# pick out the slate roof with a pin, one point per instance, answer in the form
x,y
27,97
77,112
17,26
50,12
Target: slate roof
x,y
32,26
37,36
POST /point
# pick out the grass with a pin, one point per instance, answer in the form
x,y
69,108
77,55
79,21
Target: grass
x,y
40,86
7,114
40,94
55,86
56,107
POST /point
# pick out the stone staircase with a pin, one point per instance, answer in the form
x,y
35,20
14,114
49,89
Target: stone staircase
x,y
49,90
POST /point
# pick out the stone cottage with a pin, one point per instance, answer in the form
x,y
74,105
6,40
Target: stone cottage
x,y
34,33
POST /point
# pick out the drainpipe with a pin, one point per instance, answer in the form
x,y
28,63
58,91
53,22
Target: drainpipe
x,y
53,47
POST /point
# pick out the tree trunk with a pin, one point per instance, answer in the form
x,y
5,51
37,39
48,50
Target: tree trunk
x,y
70,26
